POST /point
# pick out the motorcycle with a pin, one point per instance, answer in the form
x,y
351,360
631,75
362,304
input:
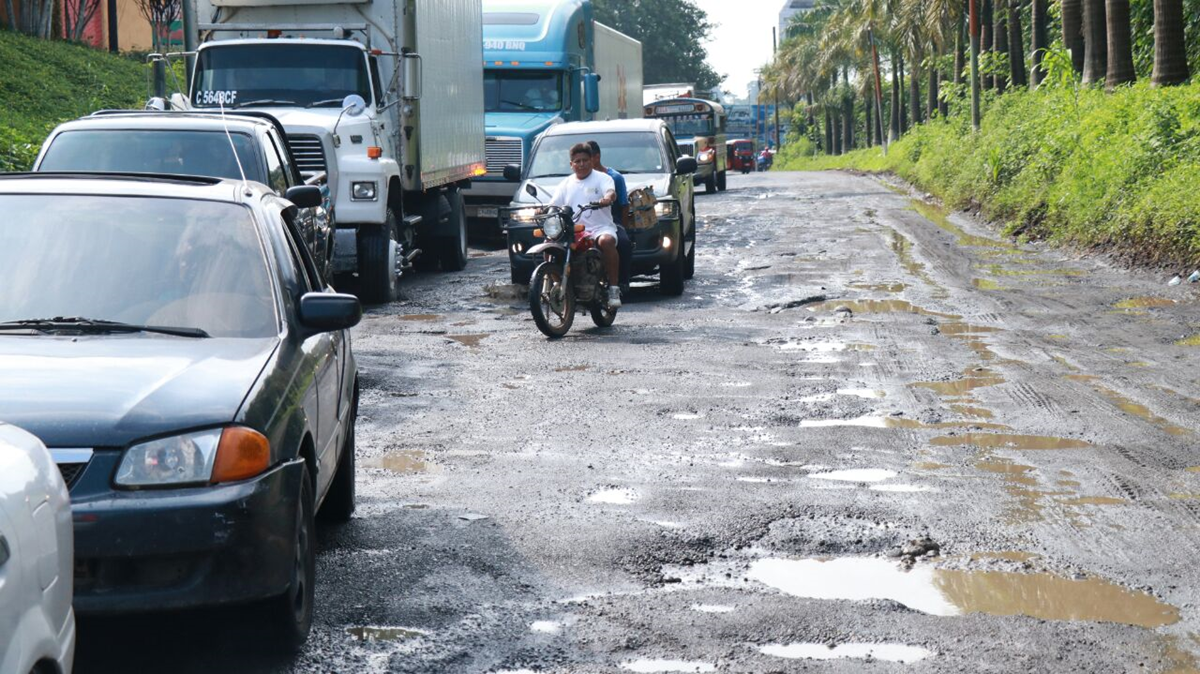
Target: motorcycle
x,y
572,278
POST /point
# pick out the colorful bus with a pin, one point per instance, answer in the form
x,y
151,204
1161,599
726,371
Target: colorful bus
x,y
699,128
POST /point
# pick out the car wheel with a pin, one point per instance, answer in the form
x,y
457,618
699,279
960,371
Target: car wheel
x,y
291,613
453,249
339,502
378,255
671,275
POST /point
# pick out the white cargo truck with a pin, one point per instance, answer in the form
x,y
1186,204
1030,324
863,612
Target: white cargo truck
x,y
385,97
619,65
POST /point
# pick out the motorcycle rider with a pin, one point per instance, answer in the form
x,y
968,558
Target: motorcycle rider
x,y
620,210
585,187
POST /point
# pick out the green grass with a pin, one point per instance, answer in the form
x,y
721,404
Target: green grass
x,y
44,83
1119,171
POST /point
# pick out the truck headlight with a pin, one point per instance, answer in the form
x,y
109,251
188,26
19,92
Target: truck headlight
x,y
364,191
667,210
525,215
201,457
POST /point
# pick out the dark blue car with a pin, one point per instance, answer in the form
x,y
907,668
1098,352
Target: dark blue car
x,y
170,340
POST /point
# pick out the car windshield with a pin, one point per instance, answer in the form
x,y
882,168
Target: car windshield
x,y
634,152
144,261
199,153
687,126
279,74
522,91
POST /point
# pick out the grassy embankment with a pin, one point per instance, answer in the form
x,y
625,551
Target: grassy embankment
x,y
44,83
1118,172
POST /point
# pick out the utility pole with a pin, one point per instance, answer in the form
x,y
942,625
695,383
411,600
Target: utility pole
x,y
775,51
190,34
974,19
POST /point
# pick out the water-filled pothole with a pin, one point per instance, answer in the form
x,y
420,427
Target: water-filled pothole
x,y
1008,441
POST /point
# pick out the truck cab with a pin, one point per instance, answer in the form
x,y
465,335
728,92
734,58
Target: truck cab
x,y
546,62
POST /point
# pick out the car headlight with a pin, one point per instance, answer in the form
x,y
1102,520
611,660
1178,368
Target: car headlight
x,y
525,215
201,457
707,156
364,191
667,210
553,227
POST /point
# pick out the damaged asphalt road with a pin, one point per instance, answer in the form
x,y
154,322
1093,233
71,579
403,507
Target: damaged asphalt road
x,y
869,437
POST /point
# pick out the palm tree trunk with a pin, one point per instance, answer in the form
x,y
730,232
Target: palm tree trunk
x,y
1095,42
931,96
903,108
1039,26
848,123
985,47
1001,40
870,128
1120,44
897,104
973,29
12,15
1170,50
837,132
1072,28
914,89
1016,45
828,131
960,57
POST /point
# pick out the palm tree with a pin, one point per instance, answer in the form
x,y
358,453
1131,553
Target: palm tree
x,y
985,47
1039,26
1000,37
1095,42
1072,31
1170,50
1120,44
1016,45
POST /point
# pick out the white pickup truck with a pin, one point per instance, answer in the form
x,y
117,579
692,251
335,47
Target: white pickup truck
x,y
386,97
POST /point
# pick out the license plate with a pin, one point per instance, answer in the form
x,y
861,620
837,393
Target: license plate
x,y
489,212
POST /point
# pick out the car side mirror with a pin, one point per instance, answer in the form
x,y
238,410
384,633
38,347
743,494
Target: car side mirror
x,y
685,165
304,196
512,173
329,312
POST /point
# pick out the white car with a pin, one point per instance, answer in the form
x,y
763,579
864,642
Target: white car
x,y
37,623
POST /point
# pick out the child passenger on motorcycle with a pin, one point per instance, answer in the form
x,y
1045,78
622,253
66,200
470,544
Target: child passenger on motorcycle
x,y
593,187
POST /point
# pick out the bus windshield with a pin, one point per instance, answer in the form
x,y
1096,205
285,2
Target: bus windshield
x,y
280,74
688,126
522,91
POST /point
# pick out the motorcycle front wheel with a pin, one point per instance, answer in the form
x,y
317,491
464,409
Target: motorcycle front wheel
x,y
602,316
551,303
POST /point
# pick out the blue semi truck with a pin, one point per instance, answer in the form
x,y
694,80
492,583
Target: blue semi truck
x,y
545,62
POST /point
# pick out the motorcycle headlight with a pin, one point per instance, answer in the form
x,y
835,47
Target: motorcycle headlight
x,y
525,215
667,210
553,227
707,156
201,457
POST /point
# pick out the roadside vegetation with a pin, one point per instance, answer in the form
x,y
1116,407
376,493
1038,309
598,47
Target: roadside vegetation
x,y
1067,145
46,82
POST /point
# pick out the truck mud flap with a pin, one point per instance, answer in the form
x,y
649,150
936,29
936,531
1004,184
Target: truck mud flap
x,y
345,251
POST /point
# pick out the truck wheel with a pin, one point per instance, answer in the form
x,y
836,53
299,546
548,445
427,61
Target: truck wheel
x,y
710,183
721,181
378,255
291,613
671,274
339,501
453,249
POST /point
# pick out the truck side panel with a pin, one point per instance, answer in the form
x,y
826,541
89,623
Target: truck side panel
x,y
619,64
449,38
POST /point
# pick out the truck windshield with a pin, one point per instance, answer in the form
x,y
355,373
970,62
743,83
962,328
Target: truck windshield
x,y
626,152
522,91
254,75
197,153
181,263
688,126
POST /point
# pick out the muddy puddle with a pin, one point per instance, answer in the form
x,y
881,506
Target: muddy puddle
x,y
1008,441
969,411
903,248
886,652
952,592
407,462
422,318
1130,407
941,218
470,341
973,378
1194,340
880,287
986,284
371,634
880,307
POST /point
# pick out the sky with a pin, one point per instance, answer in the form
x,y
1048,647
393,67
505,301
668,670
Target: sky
x,y
742,40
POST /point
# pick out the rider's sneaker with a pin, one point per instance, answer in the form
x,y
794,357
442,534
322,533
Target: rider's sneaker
x,y
614,297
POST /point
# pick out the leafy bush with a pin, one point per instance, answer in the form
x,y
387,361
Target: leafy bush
x,y
1075,165
44,83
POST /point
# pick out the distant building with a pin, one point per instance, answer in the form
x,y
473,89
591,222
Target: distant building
x,y
117,25
792,8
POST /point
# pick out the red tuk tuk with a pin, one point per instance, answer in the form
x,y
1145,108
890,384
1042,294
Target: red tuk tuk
x,y
740,155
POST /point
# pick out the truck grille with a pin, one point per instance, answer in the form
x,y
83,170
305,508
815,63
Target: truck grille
x,y
501,152
308,152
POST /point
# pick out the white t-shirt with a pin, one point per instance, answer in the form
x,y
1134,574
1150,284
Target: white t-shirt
x,y
576,193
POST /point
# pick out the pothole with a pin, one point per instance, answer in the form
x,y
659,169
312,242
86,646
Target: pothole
x,y
373,633
1008,441
407,462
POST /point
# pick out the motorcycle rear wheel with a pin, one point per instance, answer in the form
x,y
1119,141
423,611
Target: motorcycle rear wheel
x,y
551,303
